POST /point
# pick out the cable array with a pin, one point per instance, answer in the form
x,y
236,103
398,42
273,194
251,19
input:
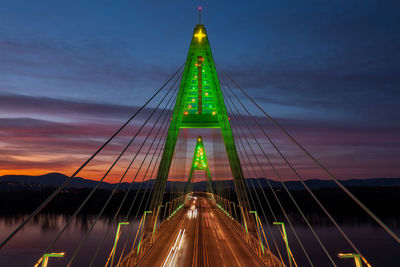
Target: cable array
x,y
286,161
146,159
69,180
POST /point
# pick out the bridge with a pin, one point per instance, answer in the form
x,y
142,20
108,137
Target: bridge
x,y
175,218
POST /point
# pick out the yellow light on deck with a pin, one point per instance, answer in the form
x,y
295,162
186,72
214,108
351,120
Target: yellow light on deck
x,y
193,100
214,113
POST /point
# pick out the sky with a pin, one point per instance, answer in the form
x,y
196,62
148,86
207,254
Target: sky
x,y
72,71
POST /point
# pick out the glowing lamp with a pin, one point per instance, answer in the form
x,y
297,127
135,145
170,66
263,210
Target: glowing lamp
x,y
200,35
185,113
213,113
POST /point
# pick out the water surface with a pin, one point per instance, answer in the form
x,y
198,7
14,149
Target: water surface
x,y
27,247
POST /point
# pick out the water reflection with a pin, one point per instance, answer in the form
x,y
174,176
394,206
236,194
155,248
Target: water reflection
x,y
32,241
52,221
372,241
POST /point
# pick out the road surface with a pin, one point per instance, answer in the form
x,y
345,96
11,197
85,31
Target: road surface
x,y
199,235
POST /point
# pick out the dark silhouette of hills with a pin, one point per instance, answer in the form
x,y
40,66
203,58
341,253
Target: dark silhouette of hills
x,y
27,182
21,194
55,180
312,183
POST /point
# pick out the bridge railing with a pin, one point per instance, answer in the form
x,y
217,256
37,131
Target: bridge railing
x,y
254,243
146,239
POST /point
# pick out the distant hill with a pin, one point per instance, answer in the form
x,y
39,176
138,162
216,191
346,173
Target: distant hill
x,y
317,183
55,180
24,182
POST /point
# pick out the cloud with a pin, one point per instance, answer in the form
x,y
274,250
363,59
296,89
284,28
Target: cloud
x,y
84,61
328,72
25,141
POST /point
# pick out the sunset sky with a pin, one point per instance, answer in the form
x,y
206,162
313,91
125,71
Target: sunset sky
x,y
71,72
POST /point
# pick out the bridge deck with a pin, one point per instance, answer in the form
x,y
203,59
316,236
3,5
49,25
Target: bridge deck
x,y
205,239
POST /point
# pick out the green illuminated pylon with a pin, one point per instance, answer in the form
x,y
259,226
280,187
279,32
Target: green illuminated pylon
x,y
199,163
199,104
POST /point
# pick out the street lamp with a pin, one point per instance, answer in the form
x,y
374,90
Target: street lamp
x,y
244,221
234,209
357,258
165,209
117,234
286,240
45,258
258,230
155,220
141,236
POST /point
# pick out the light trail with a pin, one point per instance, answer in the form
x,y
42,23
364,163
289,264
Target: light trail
x,y
192,213
208,240
222,237
169,261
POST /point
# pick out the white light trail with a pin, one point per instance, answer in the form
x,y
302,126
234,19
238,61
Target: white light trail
x,y
169,261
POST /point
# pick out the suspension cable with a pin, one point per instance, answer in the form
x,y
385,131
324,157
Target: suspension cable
x,y
307,188
105,175
68,180
138,190
123,176
259,202
319,164
281,180
265,218
247,189
141,201
270,186
268,203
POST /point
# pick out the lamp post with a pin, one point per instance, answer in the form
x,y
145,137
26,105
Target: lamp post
x,y
155,221
45,258
244,221
230,209
356,257
258,230
116,240
173,204
141,236
286,240
234,209
165,209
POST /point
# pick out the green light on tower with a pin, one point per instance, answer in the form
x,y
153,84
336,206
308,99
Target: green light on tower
x,y
200,104
199,163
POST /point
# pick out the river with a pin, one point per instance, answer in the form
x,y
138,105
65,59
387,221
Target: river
x,y
27,247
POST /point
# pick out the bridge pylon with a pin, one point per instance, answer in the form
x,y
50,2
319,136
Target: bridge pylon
x,y
199,163
200,104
